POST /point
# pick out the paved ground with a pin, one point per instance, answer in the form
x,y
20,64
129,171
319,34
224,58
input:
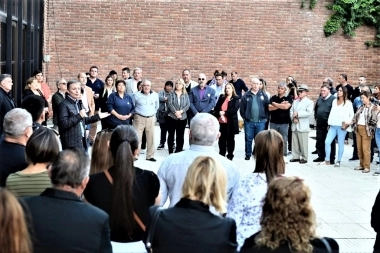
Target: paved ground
x,y
342,198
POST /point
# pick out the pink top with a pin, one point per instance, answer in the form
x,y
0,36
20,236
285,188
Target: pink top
x,y
223,119
45,90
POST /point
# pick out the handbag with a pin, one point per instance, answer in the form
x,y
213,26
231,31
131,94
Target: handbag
x,y
150,236
135,216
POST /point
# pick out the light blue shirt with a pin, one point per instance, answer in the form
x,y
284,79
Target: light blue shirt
x,y
146,104
173,169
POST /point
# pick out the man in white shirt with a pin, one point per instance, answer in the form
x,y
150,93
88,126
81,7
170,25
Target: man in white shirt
x,y
204,131
131,84
146,106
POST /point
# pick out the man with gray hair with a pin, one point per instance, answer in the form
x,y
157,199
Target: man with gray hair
x,y
204,131
6,101
17,130
146,106
60,210
57,99
131,84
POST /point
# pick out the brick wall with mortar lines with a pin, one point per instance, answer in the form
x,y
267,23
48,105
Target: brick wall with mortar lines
x,y
270,39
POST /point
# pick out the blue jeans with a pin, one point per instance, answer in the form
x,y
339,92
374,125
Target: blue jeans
x,y
331,134
251,129
377,138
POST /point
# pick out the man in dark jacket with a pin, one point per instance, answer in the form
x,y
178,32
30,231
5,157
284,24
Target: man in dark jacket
x,y
17,130
321,114
6,101
254,111
72,118
238,83
61,221
57,99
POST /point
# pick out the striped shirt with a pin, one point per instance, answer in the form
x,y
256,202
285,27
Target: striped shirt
x,y
24,185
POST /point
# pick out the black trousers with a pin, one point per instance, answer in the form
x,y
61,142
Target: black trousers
x,y
176,127
164,130
226,142
320,144
290,137
355,151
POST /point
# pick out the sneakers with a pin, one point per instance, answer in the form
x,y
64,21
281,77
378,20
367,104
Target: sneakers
x,y
161,146
337,164
324,163
286,160
377,173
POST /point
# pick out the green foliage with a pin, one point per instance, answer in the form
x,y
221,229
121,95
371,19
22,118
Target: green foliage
x,y
351,14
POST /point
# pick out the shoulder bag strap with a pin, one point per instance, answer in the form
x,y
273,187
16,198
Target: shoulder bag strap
x,y
152,228
135,216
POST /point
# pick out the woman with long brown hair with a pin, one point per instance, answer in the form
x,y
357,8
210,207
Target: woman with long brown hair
x,y
341,114
226,112
124,191
13,228
245,203
288,221
106,91
101,157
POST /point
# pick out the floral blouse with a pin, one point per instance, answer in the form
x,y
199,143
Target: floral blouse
x,y
245,205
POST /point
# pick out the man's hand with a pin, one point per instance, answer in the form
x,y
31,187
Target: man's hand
x,y
82,113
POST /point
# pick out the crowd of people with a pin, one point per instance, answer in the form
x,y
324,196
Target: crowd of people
x,y
99,200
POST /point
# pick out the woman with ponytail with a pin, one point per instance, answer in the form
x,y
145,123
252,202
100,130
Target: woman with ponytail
x,y
124,191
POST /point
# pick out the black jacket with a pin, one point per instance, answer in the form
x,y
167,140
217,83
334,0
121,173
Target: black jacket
x,y
69,121
230,113
56,101
6,104
250,246
61,222
375,221
189,227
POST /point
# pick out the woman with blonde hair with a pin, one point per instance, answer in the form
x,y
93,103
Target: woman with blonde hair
x,y
178,103
101,157
245,203
190,224
33,87
226,112
288,221
13,228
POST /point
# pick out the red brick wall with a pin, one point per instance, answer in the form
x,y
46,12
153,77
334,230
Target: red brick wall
x,y
270,39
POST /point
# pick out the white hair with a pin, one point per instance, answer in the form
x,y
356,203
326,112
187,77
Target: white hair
x,y
16,121
204,129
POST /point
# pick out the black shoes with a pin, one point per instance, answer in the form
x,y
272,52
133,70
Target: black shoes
x,y
303,161
161,146
353,159
318,160
314,152
294,160
247,157
151,159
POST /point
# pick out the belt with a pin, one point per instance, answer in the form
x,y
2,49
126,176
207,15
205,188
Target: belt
x,y
144,116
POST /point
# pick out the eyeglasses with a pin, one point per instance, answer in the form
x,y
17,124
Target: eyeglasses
x,y
201,79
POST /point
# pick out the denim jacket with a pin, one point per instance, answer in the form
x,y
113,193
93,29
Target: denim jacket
x,y
246,105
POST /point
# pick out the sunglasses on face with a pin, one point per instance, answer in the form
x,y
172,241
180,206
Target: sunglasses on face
x,y
201,79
